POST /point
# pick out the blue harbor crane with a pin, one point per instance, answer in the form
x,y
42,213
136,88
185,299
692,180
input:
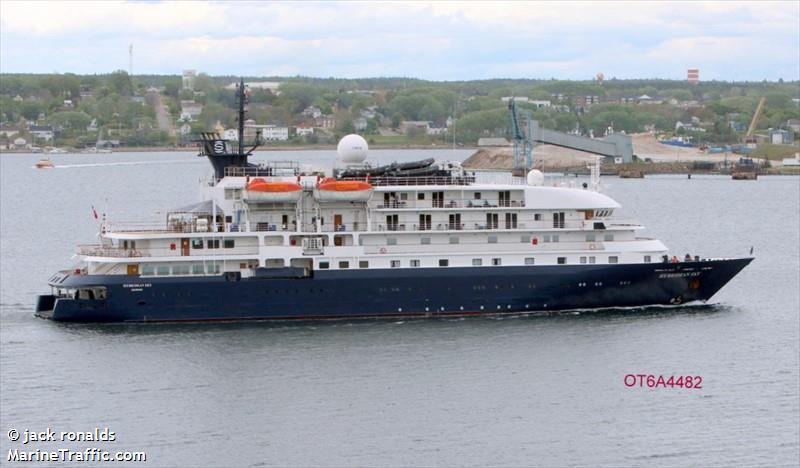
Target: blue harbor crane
x,y
521,126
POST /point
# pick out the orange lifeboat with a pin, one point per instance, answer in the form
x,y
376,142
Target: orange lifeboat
x,y
332,190
262,191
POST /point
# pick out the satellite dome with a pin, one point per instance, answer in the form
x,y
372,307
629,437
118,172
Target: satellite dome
x,y
535,177
352,149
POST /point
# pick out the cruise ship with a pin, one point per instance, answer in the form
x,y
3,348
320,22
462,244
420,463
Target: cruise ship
x,y
273,242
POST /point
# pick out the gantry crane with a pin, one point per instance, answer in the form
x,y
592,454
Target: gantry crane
x,y
748,138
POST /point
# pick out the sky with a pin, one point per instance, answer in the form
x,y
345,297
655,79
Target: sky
x,y
441,41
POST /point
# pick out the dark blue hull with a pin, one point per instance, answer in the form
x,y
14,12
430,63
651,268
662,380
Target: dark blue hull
x,y
391,292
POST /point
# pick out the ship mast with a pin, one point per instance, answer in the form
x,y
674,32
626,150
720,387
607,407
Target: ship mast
x,y
240,94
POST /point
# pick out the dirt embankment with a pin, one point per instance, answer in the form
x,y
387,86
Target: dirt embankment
x,y
645,146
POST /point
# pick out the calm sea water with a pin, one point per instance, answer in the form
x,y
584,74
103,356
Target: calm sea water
x,y
519,391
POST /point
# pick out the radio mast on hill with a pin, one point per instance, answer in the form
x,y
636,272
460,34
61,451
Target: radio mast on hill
x,y
130,60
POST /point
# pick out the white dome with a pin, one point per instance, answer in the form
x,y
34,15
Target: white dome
x,y
352,149
535,177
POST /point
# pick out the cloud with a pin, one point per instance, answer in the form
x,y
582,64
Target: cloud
x,y
435,40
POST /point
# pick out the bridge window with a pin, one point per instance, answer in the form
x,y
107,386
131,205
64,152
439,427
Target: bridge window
x,y
613,259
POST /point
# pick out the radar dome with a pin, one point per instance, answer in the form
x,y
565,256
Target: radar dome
x,y
535,177
352,149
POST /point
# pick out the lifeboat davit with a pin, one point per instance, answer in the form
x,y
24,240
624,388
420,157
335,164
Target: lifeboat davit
x,y
332,190
262,191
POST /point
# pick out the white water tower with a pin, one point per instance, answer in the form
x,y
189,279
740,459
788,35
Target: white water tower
x,y
352,149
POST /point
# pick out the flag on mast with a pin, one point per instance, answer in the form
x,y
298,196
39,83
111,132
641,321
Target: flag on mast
x,y
94,213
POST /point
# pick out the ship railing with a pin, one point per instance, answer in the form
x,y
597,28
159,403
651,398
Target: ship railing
x,y
504,246
174,250
381,181
451,203
501,224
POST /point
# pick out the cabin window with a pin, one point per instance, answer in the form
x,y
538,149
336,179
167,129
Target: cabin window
x,y
162,270
592,260
609,237
395,263
558,219
229,219
404,196
414,263
324,265
529,261
647,259
477,195
197,269
213,267
344,264
477,262
229,193
537,216
583,259
497,262
492,220
454,240
363,264
228,243
547,237
562,260
613,259
212,243
443,262
197,243
425,240
148,270
180,270
420,196
492,239
511,220
555,237
391,241
590,238
525,239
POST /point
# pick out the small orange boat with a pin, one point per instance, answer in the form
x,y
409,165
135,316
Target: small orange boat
x,y
262,191
343,190
45,163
